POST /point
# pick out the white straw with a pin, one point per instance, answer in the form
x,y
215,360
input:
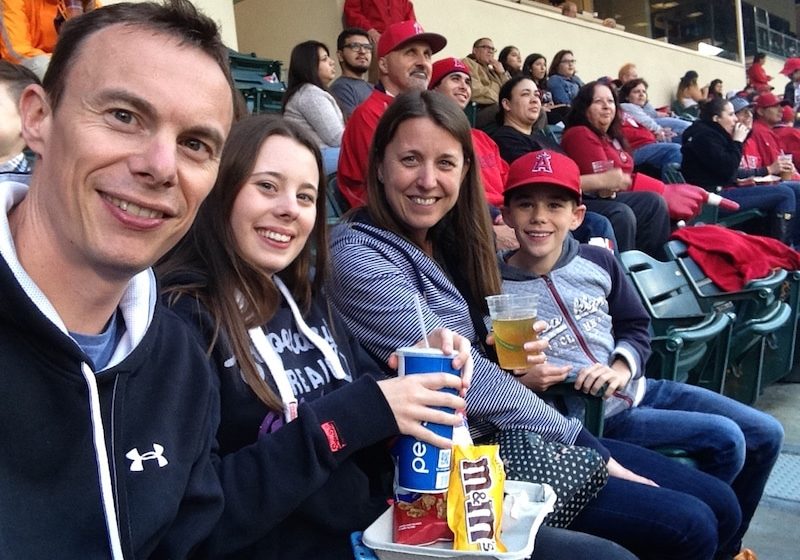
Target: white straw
x,y
421,320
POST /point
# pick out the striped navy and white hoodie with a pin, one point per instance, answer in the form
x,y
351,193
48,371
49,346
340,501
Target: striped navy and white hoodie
x,y
376,279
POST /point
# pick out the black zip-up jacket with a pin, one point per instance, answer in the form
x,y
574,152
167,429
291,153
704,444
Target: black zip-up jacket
x,y
103,465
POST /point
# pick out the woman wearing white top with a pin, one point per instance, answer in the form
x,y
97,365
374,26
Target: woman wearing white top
x,y
308,103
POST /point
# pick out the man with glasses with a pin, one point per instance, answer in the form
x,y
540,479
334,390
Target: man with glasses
x,y
487,77
355,55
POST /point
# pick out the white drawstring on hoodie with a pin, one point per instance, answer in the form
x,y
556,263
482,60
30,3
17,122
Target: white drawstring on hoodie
x,y
274,362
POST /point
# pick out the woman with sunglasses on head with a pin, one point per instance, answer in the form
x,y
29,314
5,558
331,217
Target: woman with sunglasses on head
x,y
305,414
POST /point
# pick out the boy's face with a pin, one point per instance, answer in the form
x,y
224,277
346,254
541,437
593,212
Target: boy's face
x,y
541,216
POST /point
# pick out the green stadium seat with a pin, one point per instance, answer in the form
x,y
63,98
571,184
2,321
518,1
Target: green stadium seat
x,y
689,344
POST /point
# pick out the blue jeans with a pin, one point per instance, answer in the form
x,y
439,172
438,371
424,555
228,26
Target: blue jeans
x,y
690,515
676,125
730,440
795,186
330,160
773,199
658,154
558,544
595,225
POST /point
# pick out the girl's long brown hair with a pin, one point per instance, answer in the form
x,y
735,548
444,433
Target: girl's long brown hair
x,y
208,266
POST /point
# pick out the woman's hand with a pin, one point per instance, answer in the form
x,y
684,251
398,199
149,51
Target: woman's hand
x,y
414,399
740,132
618,471
449,343
608,182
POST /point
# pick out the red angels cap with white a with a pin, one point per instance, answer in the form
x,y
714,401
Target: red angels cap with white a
x,y
545,167
401,33
445,67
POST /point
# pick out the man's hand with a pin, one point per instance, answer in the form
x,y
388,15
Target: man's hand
x,y
374,36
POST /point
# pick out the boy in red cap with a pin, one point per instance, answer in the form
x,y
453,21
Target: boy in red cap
x,y
598,336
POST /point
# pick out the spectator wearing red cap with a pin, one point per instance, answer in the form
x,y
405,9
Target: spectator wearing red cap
x,y
451,77
762,147
757,78
788,135
488,75
404,62
791,93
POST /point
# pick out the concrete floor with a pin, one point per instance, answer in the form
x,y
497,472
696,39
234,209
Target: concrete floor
x,y
773,532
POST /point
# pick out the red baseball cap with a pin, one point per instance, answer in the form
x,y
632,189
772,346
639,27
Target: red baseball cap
x,y
442,68
546,168
767,99
399,34
787,114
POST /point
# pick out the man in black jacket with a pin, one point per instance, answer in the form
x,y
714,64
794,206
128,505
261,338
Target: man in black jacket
x,y
108,412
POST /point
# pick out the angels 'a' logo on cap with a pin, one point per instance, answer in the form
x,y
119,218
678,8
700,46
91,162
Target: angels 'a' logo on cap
x,y
542,163
458,64
418,28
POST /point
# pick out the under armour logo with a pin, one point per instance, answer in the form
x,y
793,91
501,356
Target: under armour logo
x,y
542,163
138,459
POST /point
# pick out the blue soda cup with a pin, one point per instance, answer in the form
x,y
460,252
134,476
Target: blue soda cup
x,y
422,467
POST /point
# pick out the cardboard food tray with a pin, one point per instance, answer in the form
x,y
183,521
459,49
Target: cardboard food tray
x,y
517,535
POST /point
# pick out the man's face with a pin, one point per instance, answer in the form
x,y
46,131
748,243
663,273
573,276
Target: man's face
x,y
457,86
770,115
131,151
484,51
406,68
356,55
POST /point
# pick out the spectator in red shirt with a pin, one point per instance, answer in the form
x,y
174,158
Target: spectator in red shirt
x,y
377,15
404,61
788,135
757,78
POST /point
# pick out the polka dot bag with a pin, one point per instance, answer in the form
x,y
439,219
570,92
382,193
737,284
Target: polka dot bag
x,y
576,474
